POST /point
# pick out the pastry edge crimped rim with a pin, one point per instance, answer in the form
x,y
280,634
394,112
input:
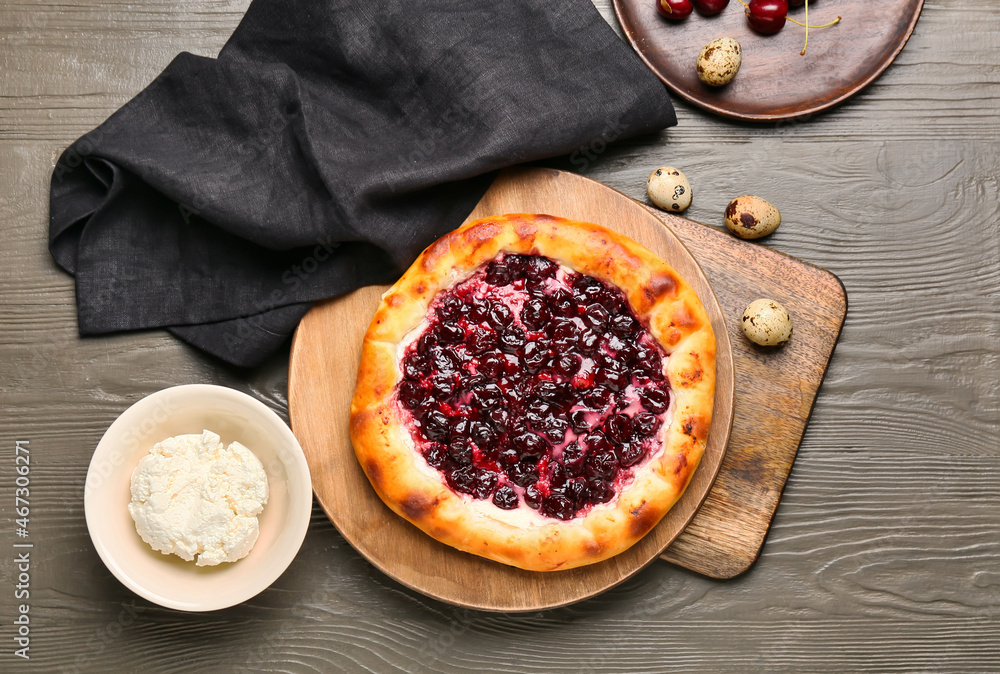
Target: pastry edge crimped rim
x,y
660,298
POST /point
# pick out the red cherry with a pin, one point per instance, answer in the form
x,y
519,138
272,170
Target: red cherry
x,y
767,16
675,10
711,7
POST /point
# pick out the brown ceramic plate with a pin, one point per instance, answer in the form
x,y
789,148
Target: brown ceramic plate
x,y
775,82
324,366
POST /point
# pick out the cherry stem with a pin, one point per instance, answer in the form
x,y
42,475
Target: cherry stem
x,y
803,52
804,25
825,25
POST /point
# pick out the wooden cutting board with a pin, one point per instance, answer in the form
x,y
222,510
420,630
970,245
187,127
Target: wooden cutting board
x,y
774,388
725,535
322,370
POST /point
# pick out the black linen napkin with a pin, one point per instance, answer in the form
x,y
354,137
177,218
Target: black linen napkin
x,y
326,146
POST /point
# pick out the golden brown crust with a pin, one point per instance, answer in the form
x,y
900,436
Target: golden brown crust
x,y
521,537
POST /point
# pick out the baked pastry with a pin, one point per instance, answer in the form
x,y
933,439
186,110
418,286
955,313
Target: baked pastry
x,y
535,390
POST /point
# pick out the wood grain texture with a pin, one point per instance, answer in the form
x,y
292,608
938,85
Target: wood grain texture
x,y
323,366
776,81
885,552
775,392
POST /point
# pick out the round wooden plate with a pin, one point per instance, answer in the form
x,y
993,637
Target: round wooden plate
x,y
322,372
775,82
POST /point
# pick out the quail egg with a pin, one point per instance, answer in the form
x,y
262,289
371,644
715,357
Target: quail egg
x,y
766,322
750,217
669,189
719,61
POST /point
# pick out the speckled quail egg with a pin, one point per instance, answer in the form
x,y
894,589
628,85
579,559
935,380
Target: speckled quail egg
x,y
669,189
719,61
766,322
750,217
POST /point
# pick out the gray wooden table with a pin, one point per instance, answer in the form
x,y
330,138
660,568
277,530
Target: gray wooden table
x,y
885,552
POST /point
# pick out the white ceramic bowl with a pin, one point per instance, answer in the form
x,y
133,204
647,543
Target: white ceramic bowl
x,y
168,580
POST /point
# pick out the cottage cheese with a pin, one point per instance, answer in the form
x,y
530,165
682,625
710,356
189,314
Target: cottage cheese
x,y
194,498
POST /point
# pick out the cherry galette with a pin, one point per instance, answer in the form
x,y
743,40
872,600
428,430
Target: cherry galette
x,y
534,384
535,390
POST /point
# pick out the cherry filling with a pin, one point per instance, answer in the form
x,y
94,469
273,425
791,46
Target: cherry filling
x,y
534,383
